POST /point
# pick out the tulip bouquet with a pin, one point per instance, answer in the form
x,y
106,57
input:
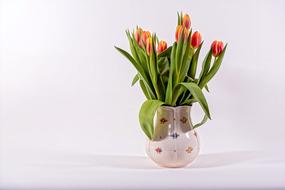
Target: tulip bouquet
x,y
167,75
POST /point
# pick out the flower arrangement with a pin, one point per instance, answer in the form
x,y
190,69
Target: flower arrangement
x,y
167,75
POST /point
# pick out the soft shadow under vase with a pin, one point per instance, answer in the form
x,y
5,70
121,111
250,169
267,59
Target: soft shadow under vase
x,y
175,143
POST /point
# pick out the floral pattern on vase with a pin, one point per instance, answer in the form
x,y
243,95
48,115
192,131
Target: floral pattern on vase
x,y
175,143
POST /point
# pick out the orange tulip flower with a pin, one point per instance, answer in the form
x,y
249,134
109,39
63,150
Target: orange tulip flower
x,y
178,33
162,46
186,22
144,36
138,33
149,45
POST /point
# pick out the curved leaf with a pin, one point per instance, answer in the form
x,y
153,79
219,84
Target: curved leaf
x,y
139,69
132,60
135,79
146,115
198,95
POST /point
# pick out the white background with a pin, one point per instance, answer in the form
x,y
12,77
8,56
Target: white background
x,y
66,103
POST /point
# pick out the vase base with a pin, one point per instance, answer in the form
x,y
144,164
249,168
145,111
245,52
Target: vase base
x,y
176,153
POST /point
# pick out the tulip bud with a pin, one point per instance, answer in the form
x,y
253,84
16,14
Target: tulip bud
x,y
144,36
196,39
217,48
162,46
149,45
178,33
138,33
186,22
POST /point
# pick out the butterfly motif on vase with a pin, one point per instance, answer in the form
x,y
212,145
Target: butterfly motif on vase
x,y
189,149
174,135
158,150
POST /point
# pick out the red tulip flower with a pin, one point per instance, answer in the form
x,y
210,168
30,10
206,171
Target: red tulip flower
x,y
196,39
186,22
178,33
162,46
217,48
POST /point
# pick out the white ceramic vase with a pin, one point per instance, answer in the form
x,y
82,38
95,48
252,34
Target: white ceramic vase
x,y
175,143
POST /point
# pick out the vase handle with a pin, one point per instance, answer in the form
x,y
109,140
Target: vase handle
x,y
204,120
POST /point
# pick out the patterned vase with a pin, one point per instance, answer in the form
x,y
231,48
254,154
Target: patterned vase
x,y
175,143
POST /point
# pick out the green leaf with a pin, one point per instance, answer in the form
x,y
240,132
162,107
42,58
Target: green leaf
x,y
158,85
133,50
194,62
189,101
157,40
213,70
168,97
145,91
141,54
135,79
146,115
165,53
190,79
198,95
131,59
177,91
181,17
138,68
178,56
183,68
154,71
163,65
204,120
179,22
186,59
206,65
207,88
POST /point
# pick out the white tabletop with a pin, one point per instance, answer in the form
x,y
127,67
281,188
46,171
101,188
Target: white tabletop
x,y
32,169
